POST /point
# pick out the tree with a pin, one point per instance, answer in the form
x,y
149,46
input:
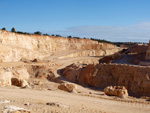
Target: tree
x,y
46,34
13,30
69,36
58,36
3,28
38,33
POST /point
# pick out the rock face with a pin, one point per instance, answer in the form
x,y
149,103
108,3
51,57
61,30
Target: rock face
x,y
5,77
15,47
135,78
13,76
72,72
20,73
43,72
18,76
119,91
67,87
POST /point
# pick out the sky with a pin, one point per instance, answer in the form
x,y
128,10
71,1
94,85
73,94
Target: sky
x,y
113,20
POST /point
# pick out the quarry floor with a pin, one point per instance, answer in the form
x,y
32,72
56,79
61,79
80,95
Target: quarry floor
x,y
87,101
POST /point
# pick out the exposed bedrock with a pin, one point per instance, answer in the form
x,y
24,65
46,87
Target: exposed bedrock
x,y
20,74
135,78
15,47
12,75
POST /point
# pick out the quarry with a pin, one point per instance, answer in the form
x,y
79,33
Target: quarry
x,y
48,74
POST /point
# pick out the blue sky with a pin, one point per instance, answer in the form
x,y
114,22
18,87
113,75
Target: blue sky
x,y
114,20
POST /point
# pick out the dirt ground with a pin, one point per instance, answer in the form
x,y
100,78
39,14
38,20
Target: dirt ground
x,y
49,99
87,101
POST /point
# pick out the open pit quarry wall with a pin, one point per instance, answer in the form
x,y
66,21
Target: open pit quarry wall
x,y
135,78
15,47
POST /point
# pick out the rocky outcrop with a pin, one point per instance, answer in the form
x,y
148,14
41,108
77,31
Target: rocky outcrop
x,y
72,72
135,78
13,76
15,47
119,91
5,77
20,72
43,72
20,75
97,52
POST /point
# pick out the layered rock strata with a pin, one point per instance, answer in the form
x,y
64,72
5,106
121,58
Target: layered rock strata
x,y
135,78
13,76
15,47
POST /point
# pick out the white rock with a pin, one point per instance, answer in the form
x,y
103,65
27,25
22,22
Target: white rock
x,y
10,109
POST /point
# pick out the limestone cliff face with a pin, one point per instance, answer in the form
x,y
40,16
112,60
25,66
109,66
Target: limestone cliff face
x,y
135,78
6,74
16,46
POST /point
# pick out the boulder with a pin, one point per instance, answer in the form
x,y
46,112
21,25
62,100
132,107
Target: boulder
x,y
37,82
67,87
15,82
19,83
24,84
119,91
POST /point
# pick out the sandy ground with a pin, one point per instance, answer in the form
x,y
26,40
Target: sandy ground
x,y
82,102
86,101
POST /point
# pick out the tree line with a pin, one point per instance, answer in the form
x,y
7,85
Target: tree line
x,y
99,40
40,33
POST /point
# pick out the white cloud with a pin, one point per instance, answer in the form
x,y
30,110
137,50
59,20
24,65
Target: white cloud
x,y
136,33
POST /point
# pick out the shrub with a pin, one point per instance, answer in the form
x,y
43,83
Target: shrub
x,y
46,34
38,33
69,36
13,30
3,28
58,36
